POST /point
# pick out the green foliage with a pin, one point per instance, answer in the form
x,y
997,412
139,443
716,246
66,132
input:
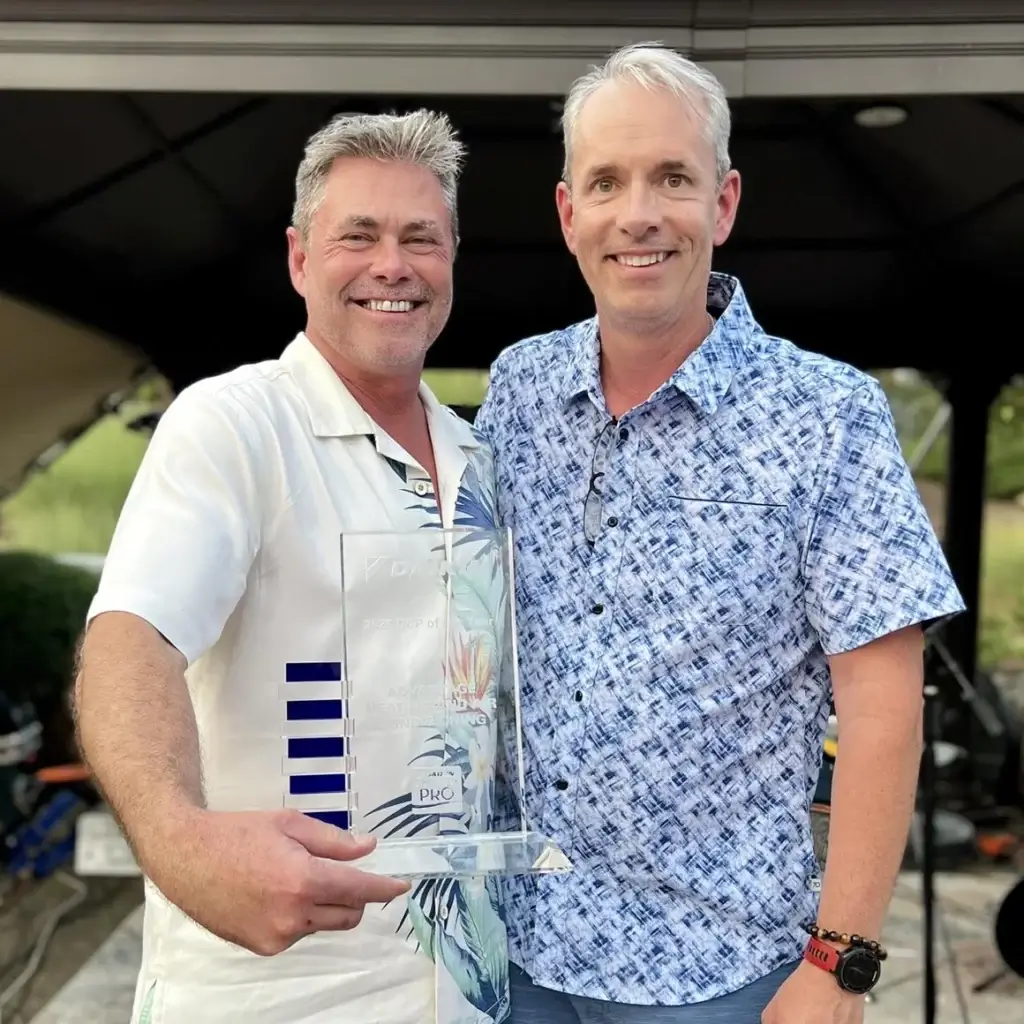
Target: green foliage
x,y
43,605
73,504
1006,444
1001,630
914,402
457,387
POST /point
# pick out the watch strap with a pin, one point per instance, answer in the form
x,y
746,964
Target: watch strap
x,y
822,955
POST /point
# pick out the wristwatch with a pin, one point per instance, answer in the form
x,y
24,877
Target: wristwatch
x,y
856,968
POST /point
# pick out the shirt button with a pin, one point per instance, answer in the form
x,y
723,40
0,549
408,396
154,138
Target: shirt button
x,y
624,434
421,487
578,696
597,609
561,784
613,520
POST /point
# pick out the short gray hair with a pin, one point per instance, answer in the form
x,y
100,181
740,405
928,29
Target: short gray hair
x,y
654,66
424,138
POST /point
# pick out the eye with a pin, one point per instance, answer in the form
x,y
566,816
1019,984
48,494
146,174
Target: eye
x,y
604,185
421,241
675,180
356,238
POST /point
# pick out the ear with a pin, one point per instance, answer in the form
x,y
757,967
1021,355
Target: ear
x,y
563,201
296,261
728,205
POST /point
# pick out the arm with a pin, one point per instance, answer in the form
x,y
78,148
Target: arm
x,y
137,731
177,568
878,698
874,572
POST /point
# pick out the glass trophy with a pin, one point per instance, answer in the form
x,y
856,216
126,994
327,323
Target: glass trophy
x,y
414,736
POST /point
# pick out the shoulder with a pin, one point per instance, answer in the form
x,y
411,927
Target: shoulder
x,y
540,355
242,402
807,390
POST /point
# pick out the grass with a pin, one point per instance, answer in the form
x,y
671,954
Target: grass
x,y
72,506
1001,608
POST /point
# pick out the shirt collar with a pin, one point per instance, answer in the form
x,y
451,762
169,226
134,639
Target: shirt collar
x,y
334,411
706,374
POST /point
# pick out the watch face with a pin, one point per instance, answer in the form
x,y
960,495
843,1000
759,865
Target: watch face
x,y
858,971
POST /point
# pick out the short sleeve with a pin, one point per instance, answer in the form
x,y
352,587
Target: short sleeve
x,y
492,423
189,529
490,414
872,563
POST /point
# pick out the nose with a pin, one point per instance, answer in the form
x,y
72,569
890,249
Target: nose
x,y
640,214
389,264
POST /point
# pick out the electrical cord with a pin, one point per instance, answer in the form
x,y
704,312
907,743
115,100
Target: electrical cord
x,y
79,894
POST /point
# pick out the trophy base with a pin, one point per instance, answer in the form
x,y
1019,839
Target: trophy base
x,y
463,856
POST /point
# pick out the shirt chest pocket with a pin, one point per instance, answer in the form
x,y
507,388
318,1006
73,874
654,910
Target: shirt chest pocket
x,y
723,563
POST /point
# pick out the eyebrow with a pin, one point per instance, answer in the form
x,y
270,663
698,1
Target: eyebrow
x,y
370,224
665,167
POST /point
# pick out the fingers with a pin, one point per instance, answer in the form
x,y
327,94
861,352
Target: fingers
x,y
334,884
340,885
323,840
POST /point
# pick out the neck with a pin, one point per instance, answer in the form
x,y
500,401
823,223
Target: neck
x,y
388,395
635,363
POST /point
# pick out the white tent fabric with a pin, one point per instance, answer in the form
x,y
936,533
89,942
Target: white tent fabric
x,y
54,379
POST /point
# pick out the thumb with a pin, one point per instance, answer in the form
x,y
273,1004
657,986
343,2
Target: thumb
x,y
323,840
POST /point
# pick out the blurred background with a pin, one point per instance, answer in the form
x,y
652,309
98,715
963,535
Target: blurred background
x,y
147,160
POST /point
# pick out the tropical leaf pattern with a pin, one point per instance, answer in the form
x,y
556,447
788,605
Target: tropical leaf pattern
x,y
460,925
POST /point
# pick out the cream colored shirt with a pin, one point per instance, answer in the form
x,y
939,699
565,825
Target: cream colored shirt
x,y
228,544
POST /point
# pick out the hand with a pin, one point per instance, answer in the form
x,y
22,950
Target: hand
x,y
811,996
265,879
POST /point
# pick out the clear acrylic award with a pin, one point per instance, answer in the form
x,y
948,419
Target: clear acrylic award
x,y
414,735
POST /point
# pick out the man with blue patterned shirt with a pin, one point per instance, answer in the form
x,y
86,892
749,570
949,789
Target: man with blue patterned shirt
x,y
716,534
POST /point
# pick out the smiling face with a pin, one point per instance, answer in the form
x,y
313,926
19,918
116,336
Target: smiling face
x,y
376,269
645,211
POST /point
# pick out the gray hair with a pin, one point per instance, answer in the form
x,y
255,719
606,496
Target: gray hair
x,y
424,138
654,66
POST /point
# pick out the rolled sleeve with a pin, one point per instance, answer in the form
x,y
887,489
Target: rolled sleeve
x,y
189,529
872,563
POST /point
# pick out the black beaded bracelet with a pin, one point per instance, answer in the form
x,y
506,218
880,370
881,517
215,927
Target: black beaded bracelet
x,y
827,935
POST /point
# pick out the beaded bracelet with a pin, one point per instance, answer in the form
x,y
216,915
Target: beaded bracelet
x,y
827,935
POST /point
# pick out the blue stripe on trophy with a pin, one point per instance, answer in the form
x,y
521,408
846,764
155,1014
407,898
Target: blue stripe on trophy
x,y
315,710
316,746
311,680
317,792
306,784
336,818
315,755
312,672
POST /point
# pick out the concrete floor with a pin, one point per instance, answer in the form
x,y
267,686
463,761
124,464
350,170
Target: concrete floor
x,y
967,904
69,955
101,991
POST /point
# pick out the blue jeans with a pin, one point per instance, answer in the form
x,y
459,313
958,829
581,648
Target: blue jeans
x,y
532,1004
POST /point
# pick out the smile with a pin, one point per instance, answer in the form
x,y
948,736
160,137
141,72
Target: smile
x,y
645,260
389,305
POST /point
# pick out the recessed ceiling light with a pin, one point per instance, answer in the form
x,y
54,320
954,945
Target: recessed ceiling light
x,y
882,115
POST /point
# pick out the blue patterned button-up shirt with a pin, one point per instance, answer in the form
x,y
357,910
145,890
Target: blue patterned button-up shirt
x,y
756,516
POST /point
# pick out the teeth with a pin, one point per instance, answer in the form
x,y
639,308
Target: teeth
x,y
390,305
643,261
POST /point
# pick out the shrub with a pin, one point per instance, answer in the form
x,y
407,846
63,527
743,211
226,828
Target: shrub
x,y
43,605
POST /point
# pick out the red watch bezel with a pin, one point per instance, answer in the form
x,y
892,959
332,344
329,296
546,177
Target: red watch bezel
x,y
822,955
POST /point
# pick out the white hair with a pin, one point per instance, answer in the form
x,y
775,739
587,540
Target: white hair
x,y
654,66
424,138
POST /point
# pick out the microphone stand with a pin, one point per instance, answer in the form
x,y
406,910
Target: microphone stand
x,y
925,845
